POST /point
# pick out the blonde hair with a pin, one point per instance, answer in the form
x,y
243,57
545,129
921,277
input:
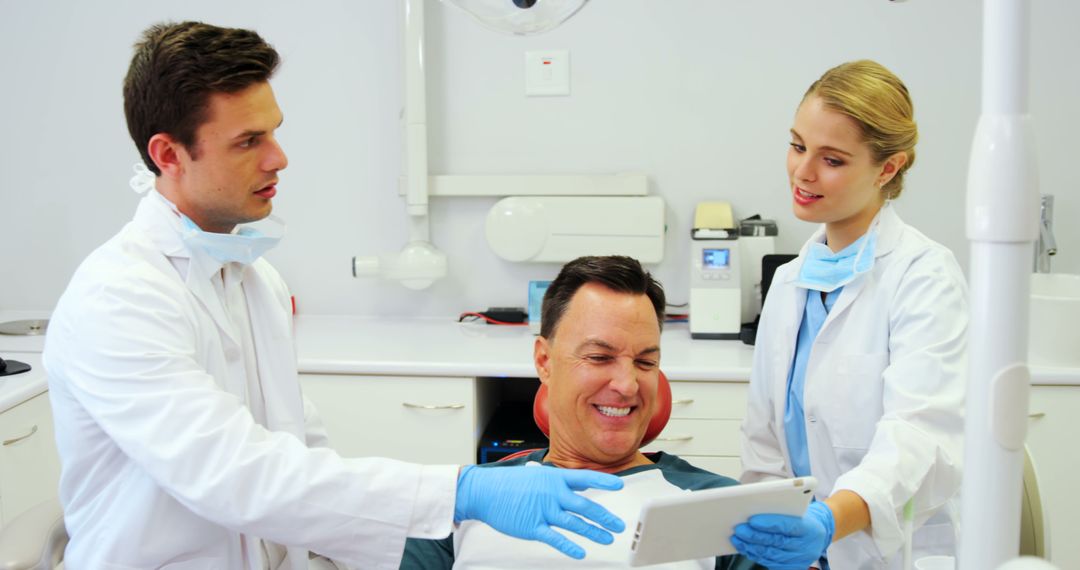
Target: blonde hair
x,y
879,104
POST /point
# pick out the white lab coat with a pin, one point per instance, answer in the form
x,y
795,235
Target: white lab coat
x,y
884,393
163,466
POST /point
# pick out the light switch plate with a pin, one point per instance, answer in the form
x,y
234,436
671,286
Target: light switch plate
x,y
547,73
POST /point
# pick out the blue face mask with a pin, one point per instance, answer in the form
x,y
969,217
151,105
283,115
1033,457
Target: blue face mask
x,y
244,246
823,270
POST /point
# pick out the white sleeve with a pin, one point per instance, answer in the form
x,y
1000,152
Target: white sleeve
x,y
916,450
130,357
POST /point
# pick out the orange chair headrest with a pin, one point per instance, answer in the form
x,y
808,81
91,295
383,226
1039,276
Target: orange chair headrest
x,y
659,419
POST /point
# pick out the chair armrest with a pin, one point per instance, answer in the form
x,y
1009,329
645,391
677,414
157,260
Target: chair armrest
x,y
34,539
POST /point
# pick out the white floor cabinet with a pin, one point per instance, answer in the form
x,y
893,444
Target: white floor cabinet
x,y
1052,441
705,425
29,466
434,420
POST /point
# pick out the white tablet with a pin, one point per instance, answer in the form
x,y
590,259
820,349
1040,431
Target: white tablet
x,y
698,524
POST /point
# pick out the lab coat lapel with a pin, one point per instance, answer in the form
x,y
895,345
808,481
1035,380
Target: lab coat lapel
x,y
198,282
157,218
793,303
275,356
847,297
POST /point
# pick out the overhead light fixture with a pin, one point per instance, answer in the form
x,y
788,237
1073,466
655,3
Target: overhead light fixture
x,y
520,17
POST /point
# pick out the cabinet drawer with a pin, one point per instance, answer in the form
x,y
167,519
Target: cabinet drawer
x,y
726,466
699,437
1051,440
418,419
29,466
708,400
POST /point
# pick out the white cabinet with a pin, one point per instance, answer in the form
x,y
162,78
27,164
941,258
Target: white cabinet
x,y
434,420
29,466
705,425
1052,434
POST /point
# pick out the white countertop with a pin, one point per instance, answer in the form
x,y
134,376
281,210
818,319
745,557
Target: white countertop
x,y
443,347
18,388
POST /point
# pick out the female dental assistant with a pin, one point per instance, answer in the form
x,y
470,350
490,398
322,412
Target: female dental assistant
x,y
858,367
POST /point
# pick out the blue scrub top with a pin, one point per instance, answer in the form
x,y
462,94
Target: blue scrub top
x,y
794,417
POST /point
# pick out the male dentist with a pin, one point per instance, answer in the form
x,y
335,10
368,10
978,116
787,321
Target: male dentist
x,y
184,439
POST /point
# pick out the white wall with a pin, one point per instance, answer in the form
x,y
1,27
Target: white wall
x,y
698,94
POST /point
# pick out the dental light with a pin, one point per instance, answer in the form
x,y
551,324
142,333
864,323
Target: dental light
x,y
420,263
520,17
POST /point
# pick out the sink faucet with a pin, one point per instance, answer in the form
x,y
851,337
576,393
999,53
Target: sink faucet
x,y
1046,245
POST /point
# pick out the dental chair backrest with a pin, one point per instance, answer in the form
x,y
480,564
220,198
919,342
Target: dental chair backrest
x,y
656,425
35,539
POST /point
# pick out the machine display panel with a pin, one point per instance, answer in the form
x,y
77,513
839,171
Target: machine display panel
x,y
716,258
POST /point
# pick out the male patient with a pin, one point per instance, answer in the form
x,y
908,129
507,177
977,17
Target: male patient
x,y
599,356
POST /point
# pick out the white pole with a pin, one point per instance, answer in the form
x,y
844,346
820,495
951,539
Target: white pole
x,y
416,160
1002,213
419,263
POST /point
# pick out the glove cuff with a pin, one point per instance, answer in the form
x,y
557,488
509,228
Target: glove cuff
x,y
461,500
824,514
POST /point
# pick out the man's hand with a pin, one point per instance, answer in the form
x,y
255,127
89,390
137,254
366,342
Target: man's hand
x,y
526,501
782,542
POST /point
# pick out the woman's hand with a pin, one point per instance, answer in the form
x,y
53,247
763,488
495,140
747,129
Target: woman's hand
x,y
784,542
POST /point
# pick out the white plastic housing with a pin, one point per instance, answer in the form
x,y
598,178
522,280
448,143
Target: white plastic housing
x,y
715,291
508,17
560,229
416,266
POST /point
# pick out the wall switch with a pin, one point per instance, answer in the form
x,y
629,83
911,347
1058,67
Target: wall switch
x,y
547,73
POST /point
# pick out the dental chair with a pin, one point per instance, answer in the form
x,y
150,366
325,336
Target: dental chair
x,y
34,540
1034,531
656,425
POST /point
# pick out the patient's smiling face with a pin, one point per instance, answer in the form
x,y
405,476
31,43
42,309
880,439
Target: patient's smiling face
x,y
602,369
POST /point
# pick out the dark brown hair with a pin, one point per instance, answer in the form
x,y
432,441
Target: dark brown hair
x,y
616,272
175,69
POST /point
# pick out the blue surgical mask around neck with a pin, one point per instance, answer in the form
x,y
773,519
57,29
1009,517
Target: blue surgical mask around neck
x,y
825,271
247,244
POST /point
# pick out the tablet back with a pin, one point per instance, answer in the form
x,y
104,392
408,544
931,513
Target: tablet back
x,y
699,524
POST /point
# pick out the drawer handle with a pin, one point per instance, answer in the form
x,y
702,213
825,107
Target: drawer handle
x,y
432,406
1037,415
679,438
8,442
685,402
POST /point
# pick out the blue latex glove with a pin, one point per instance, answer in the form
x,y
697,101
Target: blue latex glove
x,y
526,501
782,542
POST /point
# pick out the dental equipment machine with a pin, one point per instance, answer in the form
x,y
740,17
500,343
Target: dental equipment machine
x,y
715,282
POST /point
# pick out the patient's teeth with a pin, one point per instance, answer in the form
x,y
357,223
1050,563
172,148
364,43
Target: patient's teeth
x,y
610,411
